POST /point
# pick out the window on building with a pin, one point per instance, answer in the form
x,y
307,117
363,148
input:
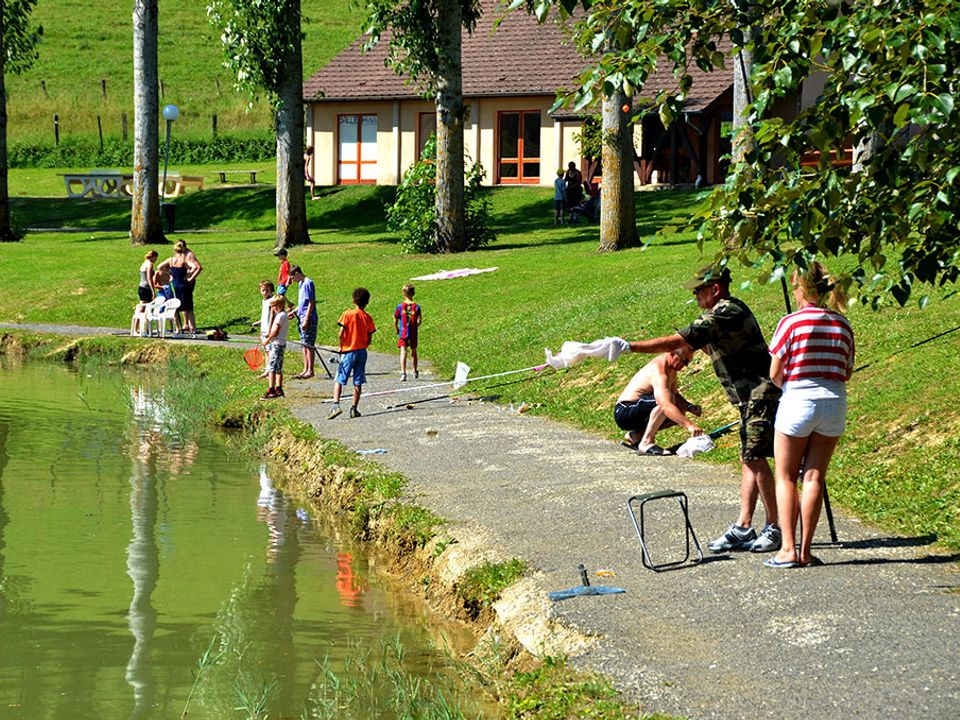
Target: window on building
x,y
518,147
426,126
357,149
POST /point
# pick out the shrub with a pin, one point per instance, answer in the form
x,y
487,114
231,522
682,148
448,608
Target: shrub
x,y
80,151
414,213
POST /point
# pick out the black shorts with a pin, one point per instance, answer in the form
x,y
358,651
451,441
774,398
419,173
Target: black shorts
x,y
634,415
144,293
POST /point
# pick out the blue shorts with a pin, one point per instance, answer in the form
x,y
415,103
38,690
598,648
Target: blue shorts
x,y
308,333
281,289
354,362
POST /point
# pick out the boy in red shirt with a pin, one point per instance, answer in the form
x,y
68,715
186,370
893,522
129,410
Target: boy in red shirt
x,y
356,327
283,277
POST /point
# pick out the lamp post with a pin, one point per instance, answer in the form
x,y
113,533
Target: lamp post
x,y
170,113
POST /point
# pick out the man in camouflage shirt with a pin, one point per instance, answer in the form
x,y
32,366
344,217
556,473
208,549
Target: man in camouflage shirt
x,y
730,335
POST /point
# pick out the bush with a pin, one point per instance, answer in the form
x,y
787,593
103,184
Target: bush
x,y
414,213
79,151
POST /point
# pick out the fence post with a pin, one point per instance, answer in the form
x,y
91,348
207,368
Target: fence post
x,y
100,132
43,86
217,81
214,124
56,129
103,88
161,87
123,123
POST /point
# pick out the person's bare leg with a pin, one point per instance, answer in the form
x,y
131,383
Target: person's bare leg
x,y
756,480
308,353
337,388
788,452
413,356
357,389
403,359
819,452
654,423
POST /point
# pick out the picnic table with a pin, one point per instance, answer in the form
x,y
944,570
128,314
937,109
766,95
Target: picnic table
x,y
113,183
251,173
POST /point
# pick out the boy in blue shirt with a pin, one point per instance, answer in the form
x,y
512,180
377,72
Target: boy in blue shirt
x,y
306,315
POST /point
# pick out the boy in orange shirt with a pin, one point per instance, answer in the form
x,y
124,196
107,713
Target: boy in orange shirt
x,y
356,327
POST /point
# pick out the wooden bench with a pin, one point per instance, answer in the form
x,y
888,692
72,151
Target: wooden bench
x,y
177,184
251,173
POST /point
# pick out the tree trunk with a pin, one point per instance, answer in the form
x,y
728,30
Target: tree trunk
x,y
618,228
6,232
743,142
145,218
291,203
451,227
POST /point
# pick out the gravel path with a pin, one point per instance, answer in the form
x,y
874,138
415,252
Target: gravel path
x,y
875,633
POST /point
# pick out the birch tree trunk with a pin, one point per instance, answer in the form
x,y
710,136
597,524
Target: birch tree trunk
x,y
6,232
145,217
618,228
291,203
743,142
451,230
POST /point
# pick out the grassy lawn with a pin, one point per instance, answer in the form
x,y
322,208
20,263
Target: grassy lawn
x,y
84,43
898,465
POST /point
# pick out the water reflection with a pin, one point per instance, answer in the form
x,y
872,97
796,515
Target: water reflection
x,y
115,576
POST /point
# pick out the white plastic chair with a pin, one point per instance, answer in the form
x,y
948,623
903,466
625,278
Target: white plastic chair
x,y
153,309
167,314
138,323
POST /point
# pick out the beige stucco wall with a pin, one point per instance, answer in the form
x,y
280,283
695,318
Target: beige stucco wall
x,y
397,135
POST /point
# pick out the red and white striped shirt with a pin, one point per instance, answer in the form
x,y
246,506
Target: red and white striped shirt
x,y
814,343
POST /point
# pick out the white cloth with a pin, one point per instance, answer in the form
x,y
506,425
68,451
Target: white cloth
x,y
695,446
572,352
452,274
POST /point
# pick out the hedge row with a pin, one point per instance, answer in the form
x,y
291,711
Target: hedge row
x,y
86,152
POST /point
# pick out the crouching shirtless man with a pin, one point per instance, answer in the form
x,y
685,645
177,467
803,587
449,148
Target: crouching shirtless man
x,y
651,401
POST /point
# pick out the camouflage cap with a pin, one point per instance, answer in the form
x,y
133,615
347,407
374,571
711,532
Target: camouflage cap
x,y
708,274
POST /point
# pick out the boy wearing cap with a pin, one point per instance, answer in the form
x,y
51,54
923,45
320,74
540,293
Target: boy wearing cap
x,y
729,334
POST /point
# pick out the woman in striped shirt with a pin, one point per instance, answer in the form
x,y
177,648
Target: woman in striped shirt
x,y
812,357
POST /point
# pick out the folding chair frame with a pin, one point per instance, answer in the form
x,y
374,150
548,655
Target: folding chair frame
x,y
639,526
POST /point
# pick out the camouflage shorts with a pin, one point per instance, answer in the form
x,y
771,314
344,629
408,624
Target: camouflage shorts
x,y
756,429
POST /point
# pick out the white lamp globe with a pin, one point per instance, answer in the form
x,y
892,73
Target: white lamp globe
x,y
170,112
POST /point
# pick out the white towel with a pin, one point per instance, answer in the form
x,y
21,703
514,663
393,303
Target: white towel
x,y
695,446
573,352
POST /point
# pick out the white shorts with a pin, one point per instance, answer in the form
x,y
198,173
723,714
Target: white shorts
x,y
800,416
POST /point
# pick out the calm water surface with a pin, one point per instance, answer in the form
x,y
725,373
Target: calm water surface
x,y
126,550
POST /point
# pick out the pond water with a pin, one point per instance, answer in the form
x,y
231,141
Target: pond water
x,y
144,573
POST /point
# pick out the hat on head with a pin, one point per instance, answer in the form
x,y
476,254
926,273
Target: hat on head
x,y
708,274
280,252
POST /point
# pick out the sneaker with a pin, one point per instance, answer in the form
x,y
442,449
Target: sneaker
x,y
280,393
269,394
416,374
768,541
335,412
403,377
354,413
735,538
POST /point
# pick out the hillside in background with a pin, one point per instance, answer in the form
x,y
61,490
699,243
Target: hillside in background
x,y
86,43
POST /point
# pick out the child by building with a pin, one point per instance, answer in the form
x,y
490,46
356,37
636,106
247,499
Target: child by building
x,y
276,342
356,327
406,322
283,277
559,198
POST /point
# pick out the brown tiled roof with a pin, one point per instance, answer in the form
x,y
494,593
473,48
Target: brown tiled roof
x,y
518,57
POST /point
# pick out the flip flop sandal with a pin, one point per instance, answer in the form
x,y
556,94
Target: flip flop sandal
x,y
777,565
653,450
814,562
629,445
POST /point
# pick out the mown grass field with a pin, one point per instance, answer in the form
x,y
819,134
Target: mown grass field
x,y
84,43
898,465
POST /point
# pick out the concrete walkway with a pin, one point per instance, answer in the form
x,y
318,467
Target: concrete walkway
x,y
875,633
